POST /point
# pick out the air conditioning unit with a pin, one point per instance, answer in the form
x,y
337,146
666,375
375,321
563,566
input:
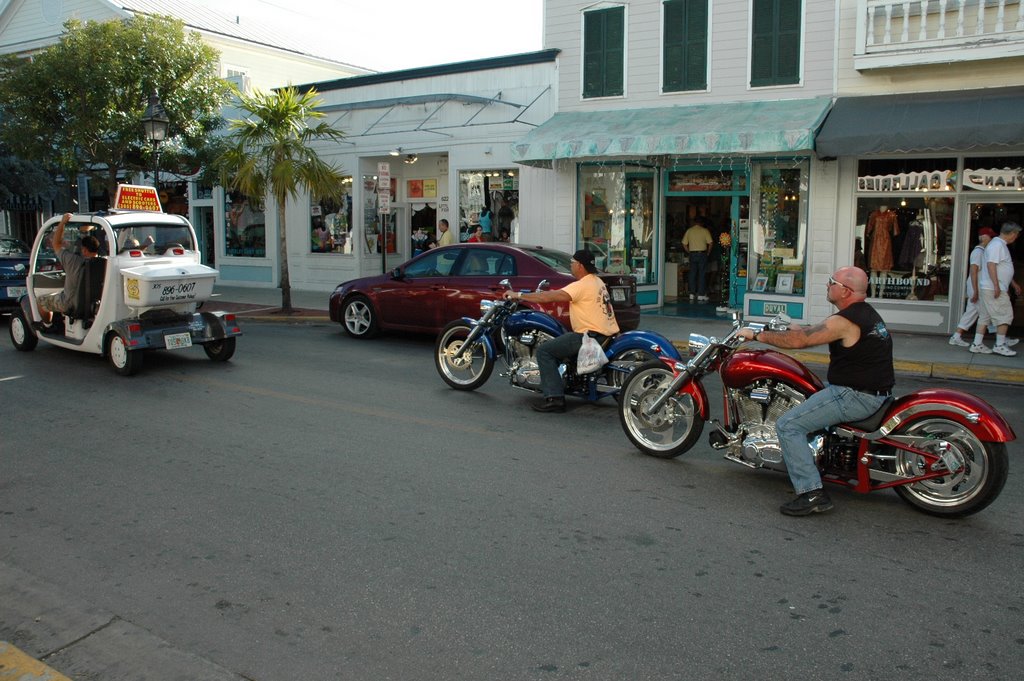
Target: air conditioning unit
x,y
242,82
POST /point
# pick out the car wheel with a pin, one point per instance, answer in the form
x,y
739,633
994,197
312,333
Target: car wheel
x,y
22,335
220,350
125,362
359,318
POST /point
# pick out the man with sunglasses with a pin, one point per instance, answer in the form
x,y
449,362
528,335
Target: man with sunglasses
x,y
860,378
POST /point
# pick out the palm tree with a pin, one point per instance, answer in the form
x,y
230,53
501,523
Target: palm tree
x,y
269,155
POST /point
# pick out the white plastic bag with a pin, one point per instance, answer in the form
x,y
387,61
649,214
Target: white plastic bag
x,y
591,357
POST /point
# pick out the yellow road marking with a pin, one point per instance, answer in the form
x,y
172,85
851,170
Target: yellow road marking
x,y
17,666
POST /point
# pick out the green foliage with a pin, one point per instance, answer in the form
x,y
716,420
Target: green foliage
x,y
269,153
78,105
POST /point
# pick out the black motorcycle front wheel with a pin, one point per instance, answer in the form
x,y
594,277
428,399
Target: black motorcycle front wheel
x,y
980,470
667,432
461,367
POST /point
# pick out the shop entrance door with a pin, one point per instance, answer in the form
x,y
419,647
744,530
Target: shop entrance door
x,y
993,214
720,198
202,222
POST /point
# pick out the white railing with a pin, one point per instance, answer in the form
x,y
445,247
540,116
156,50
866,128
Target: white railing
x,y
906,32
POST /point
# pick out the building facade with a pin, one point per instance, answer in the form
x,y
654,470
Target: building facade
x,y
928,138
673,112
443,135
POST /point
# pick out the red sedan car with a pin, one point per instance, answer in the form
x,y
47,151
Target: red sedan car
x,y
447,283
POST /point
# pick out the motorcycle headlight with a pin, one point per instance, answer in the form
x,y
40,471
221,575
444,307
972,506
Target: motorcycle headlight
x,y
486,305
697,343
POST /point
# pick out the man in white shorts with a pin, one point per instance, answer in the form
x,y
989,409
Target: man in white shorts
x,y
994,284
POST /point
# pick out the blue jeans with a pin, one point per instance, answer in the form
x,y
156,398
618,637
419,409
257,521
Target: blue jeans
x,y
835,404
698,268
550,354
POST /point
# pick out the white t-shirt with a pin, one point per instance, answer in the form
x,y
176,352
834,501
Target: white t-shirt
x,y
998,252
977,260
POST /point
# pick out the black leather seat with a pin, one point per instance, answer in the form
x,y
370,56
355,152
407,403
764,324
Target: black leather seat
x,y
90,289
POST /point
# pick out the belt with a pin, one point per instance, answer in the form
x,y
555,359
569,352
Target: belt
x,y
877,393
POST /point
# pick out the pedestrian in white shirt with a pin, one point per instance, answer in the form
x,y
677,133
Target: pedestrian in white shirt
x,y
995,282
974,268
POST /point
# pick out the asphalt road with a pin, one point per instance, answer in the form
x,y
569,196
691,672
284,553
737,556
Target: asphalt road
x,y
323,508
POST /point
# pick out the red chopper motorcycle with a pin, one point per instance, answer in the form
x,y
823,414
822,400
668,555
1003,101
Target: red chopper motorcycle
x,y
943,451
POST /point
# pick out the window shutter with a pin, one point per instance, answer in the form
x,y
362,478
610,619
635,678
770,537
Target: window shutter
x,y
604,52
762,56
685,45
697,45
788,43
615,51
674,46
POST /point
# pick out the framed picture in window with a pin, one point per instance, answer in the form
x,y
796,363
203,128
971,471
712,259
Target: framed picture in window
x,y
760,284
784,283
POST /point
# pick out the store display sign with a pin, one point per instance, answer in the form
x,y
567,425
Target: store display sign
x,y
137,197
934,180
994,180
700,181
770,308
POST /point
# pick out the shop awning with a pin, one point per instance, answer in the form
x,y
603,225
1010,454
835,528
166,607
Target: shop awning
x,y
925,122
745,128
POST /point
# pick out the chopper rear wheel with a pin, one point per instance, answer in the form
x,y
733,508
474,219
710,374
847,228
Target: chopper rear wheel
x,y
981,470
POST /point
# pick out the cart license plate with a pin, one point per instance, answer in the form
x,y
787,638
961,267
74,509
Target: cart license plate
x,y
16,291
175,341
619,295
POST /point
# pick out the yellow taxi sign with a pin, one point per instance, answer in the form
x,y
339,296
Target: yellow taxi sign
x,y
137,197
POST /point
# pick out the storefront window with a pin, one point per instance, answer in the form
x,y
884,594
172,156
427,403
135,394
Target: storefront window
x,y
490,199
904,231
617,219
330,223
246,227
779,229
994,174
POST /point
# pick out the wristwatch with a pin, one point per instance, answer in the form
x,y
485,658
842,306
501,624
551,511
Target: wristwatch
x,y
757,336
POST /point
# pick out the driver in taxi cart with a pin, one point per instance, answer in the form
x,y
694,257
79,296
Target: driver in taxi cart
x,y
72,264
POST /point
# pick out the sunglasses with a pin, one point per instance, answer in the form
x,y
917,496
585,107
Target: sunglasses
x,y
833,282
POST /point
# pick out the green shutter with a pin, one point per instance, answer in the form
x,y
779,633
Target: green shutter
x,y
604,52
775,44
685,45
697,45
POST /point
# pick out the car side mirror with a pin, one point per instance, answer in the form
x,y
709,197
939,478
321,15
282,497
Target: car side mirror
x,y
397,273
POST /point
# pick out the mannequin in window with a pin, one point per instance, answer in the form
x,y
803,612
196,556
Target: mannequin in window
x,y
912,252
881,228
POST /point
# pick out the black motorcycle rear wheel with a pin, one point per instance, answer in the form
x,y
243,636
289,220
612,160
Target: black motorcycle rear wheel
x,y
976,483
460,367
666,433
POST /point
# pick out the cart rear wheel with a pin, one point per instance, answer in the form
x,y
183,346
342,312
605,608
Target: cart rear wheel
x,y
125,362
220,350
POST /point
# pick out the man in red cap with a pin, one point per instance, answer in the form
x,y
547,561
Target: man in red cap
x,y
590,311
970,314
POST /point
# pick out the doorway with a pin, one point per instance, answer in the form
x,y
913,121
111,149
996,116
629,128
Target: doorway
x,y
682,212
993,214
202,221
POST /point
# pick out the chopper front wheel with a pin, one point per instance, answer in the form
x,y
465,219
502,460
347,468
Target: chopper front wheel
x,y
667,432
461,367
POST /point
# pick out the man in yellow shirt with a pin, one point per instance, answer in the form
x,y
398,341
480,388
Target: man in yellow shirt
x,y
444,235
698,242
590,311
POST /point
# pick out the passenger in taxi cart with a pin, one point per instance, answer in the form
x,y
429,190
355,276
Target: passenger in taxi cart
x,y
72,264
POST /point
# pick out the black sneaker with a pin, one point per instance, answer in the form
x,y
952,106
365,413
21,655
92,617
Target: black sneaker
x,y
815,501
550,404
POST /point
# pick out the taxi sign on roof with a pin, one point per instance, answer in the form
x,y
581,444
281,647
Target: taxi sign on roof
x,y
137,197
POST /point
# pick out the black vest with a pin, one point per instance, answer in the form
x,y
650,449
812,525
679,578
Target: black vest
x,y
866,365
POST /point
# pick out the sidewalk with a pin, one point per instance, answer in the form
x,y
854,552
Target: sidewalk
x,y
915,354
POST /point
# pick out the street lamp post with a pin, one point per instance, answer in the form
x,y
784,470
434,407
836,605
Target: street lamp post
x,y
156,123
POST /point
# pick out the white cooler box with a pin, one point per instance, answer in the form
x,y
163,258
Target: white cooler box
x,y
166,285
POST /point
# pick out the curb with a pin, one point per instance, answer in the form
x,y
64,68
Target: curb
x,y
15,665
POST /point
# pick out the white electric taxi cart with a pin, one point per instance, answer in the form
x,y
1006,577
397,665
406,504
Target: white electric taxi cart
x,y
143,291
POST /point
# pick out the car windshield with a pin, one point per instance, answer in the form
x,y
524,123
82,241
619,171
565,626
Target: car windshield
x,y
556,260
11,246
153,239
